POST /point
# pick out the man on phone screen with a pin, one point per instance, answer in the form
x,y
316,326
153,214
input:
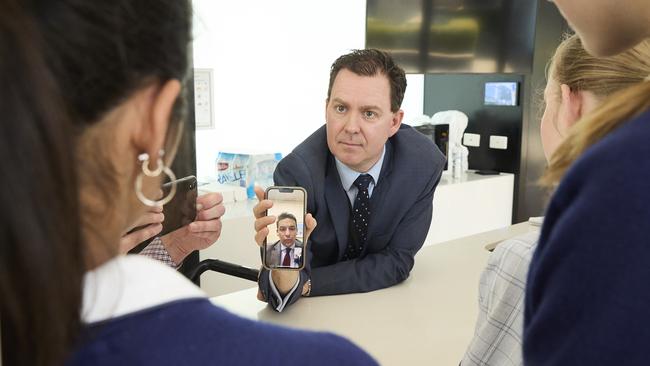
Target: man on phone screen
x,y
287,251
369,180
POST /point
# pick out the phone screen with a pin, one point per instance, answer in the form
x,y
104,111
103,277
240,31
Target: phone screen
x,y
181,210
284,246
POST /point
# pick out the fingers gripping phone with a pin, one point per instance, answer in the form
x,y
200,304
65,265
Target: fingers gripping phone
x,y
181,210
284,246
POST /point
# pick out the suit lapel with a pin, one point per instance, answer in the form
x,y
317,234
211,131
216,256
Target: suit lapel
x,y
275,254
338,205
279,254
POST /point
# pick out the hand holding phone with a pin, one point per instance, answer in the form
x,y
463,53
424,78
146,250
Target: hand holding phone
x,y
178,212
146,227
284,245
199,234
284,279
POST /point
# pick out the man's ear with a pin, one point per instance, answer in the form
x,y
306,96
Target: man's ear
x,y
327,101
572,105
396,122
154,128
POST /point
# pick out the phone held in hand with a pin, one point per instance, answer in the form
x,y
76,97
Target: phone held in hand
x,y
181,210
284,246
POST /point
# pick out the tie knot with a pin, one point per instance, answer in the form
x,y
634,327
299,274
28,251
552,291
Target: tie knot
x,y
363,181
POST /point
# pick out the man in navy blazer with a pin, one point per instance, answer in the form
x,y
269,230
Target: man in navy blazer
x,y
287,251
363,134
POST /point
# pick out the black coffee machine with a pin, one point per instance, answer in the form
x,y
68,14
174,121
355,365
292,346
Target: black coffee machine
x,y
439,134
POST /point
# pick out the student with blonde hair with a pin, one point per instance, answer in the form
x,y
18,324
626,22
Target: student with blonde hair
x,y
577,84
587,293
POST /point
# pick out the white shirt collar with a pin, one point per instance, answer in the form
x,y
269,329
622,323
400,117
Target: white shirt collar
x,y
130,283
348,175
293,245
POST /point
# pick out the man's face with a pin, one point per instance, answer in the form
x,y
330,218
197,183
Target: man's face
x,y
287,231
359,119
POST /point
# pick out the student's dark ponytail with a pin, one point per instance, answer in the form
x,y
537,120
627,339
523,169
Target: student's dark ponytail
x,y
63,65
41,256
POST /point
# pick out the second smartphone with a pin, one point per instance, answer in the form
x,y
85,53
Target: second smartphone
x,y
181,210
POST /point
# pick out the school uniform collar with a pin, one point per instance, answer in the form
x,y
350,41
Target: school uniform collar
x,y
130,283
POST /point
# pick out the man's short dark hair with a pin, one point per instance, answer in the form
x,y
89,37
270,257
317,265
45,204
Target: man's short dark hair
x,y
285,215
371,62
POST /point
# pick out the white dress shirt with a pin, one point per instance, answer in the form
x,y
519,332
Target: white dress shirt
x,y
348,176
284,252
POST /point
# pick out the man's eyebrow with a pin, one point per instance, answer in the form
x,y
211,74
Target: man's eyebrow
x,y
366,107
363,107
339,100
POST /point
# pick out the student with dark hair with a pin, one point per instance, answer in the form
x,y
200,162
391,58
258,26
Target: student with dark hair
x,y
587,294
370,182
91,108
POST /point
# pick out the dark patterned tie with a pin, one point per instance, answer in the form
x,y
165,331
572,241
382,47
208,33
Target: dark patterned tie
x,y
360,217
286,262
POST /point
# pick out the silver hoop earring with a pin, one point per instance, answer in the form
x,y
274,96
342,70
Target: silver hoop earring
x,y
161,168
144,159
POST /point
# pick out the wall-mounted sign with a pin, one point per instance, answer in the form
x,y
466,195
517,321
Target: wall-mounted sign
x,y
203,114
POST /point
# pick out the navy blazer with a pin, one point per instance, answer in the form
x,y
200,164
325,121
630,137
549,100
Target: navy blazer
x,y
195,332
587,293
401,209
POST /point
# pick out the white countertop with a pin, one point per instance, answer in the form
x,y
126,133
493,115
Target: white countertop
x,y
244,208
426,320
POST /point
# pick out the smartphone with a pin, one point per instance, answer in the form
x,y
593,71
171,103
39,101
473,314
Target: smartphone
x,y
181,210
284,246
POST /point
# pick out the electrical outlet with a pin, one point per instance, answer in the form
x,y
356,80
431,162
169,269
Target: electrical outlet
x,y
498,142
472,139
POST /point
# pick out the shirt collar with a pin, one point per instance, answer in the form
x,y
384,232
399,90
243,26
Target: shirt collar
x,y
130,283
348,175
293,245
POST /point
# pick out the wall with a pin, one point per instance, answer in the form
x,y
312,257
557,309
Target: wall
x,y
271,62
465,92
531,198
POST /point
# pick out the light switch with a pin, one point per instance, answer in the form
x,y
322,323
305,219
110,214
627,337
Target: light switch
x,y
472,139
498,142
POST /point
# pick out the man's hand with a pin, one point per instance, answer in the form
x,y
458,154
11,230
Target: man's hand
x,y
201,233
284,279
151,223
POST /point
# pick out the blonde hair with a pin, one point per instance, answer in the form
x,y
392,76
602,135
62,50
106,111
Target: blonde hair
x,y
620,78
